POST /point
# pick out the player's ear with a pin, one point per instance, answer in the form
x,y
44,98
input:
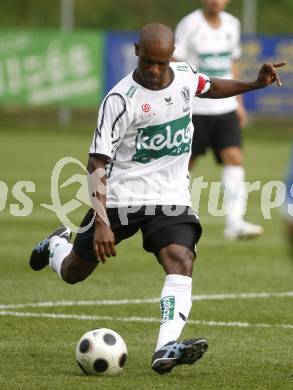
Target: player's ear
x,y
136,48
172,58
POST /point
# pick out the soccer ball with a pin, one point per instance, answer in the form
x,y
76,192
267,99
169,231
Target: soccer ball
x,y
101,351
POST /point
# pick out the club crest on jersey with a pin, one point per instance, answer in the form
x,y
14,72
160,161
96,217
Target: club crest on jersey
x,y
146,107
168,139
185,93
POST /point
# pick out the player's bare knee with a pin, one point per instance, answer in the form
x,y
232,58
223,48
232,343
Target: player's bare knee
x,y
69,274
232,156
177,259
235,161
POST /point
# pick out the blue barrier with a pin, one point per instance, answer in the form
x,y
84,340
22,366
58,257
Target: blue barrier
x,y
120,57
256,51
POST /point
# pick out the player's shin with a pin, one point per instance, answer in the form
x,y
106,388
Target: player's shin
x,y
59,249
175,307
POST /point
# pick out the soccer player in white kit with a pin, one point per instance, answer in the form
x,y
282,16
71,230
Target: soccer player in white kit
x,y
209,39
138,162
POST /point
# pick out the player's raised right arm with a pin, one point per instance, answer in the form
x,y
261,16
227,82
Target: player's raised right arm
x,y
221,88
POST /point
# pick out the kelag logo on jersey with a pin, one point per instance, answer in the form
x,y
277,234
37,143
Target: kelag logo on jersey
x,y
169,139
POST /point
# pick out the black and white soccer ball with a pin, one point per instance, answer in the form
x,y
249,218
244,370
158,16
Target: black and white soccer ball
x,y
101,351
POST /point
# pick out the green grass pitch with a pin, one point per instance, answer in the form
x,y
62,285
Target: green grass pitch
x,y
39,352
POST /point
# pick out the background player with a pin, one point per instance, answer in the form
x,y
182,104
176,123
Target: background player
x,y
143,140
209,39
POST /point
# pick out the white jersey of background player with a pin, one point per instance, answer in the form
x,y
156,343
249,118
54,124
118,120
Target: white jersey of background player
x,y
212,51
209,39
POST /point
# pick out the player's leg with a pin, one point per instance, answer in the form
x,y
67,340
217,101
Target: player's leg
x,y
72,268
174,246
233,180
59,254
177,262
227,146
201,138
73,263
176,303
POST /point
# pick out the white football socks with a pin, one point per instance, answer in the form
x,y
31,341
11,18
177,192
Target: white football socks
x,y
235,194
175,307
59,249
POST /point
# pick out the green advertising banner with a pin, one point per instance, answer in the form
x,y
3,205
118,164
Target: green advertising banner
x,y
51,68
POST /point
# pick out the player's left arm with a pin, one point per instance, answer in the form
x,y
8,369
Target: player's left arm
x,y
222,88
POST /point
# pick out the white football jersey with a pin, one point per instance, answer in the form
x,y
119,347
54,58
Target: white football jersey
x,y
210,50
147,136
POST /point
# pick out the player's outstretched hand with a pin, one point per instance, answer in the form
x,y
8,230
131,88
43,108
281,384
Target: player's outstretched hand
x,y
104,241
268,74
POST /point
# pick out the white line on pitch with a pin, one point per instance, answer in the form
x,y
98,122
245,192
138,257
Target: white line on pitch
x,y
210,297
84,317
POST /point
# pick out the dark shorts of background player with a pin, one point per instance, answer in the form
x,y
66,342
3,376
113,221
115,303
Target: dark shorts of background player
x,y
216,132
158,230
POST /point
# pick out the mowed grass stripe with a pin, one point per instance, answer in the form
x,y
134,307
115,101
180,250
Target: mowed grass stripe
x,y
139,319
112,302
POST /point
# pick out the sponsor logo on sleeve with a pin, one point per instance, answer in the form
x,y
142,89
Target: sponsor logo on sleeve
x,y
131,91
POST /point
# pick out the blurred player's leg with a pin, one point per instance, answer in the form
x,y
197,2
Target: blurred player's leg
x,y
236,196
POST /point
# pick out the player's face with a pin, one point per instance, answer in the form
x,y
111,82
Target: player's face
x,y
153,65
214,6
